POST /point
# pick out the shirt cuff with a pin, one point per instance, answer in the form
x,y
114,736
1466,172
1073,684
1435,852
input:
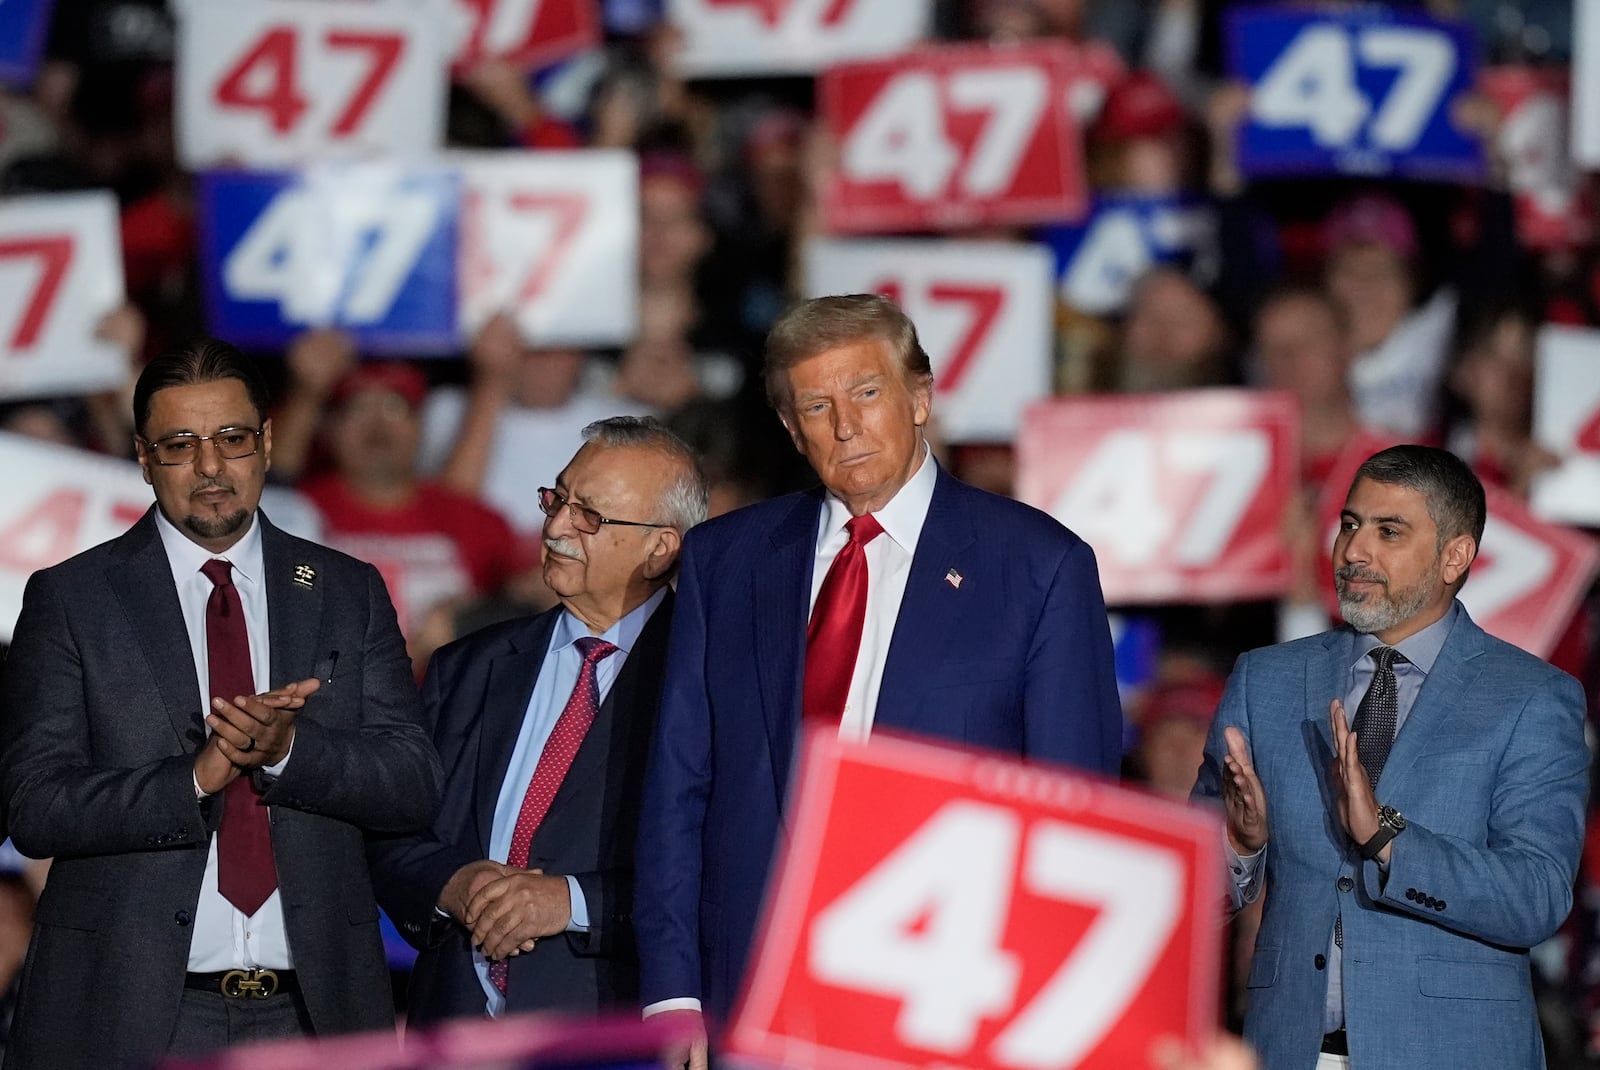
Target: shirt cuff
x,y
579,922
1245,871
198,794
683,1003
276,770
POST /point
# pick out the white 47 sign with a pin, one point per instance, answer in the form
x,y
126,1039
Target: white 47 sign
x,y
273,83
983,312
1181,495
60,272
1074,926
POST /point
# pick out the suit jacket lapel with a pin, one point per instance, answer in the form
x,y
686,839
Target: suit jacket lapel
x,y
294,610
142,580
782,605
1446,688
930,610
1326,679
512,676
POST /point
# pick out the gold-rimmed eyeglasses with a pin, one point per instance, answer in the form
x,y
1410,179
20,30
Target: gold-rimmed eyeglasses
x,y
585,519
231,443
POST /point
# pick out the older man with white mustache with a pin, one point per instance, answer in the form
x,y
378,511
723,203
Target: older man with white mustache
x,y
520,896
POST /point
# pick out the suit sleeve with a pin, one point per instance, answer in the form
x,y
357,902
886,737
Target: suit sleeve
x,y
58,803
667,873
1071,709
409,872
1244,883
381,773
1515,887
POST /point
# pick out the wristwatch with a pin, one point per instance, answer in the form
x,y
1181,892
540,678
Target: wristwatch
x,y
1391,823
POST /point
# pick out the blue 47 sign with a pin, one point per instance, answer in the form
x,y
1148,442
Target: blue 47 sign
x,y
22,29
369,249
1365,91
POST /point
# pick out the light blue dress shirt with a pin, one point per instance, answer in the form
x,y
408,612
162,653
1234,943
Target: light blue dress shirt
x,y
557,677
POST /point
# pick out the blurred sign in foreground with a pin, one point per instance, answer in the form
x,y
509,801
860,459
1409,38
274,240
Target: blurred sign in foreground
x,y
937,906
1180,494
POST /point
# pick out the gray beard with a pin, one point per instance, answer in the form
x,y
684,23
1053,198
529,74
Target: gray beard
x,y
1378,612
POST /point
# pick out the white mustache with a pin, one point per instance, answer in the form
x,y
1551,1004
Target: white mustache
x,y
1351,572
566,548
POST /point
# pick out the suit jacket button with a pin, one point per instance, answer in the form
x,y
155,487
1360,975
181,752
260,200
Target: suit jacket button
x,y
1411,894
1345,884
181,917
1438,904
1320,962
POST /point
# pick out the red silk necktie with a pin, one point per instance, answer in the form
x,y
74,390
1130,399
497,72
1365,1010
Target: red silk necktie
x,y
834,638
554,761
246,875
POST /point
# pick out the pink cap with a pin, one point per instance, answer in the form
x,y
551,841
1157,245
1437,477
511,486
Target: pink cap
x,y
1371,219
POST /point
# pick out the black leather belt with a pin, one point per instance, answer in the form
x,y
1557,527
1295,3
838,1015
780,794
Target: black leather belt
x,y
1335,1043
244,984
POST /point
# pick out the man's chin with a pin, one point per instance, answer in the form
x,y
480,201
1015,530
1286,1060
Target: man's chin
x,y
216,527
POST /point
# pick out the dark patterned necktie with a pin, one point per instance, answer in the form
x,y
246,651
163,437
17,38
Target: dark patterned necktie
x,y
1378,714
246,874
559,750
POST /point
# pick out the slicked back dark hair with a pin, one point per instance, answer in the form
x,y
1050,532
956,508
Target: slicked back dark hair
x,y
205,360
1452,494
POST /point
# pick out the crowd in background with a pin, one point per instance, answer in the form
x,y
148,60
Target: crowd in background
x,y
1392,312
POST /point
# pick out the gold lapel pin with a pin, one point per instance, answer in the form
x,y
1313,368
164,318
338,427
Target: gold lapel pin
x,y
305,576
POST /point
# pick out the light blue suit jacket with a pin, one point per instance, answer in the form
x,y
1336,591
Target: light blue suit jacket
x,y
1490,771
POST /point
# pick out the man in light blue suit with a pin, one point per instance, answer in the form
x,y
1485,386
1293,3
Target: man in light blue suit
x,y
933,608
1408,792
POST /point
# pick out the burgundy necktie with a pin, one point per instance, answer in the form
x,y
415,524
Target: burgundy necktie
x,y
554,761
246,875
834,638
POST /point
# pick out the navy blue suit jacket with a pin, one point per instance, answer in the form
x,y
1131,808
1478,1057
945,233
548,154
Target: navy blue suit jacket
x,y
476,694
1016,658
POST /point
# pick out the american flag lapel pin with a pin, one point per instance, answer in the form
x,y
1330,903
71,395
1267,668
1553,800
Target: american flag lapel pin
x,y
953,578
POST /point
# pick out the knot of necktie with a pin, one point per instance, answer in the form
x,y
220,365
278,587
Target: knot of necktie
x,y
218,571
863,529
594,650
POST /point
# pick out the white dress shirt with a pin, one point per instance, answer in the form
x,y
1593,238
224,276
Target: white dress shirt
x,y
223,937
888,567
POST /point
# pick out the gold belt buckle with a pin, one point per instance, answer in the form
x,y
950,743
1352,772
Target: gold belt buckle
x,y
249,984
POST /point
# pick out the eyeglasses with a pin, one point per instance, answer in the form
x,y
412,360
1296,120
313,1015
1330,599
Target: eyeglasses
x,y
586,520
231,444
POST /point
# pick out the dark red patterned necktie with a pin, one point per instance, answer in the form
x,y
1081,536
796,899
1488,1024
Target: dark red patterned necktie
x,y
554,761
833,639
246,875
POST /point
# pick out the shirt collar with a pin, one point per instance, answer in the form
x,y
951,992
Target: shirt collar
x,y
623,634
186,557
1420,648
902,517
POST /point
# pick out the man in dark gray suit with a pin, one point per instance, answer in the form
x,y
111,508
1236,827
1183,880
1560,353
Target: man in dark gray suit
x,y
198,721
520,897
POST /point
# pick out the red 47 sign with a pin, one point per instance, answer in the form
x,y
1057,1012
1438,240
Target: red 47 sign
x,y
532,33
274,83
984,313
953,137
1181,495
940,907
739,37
60,272
543,235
